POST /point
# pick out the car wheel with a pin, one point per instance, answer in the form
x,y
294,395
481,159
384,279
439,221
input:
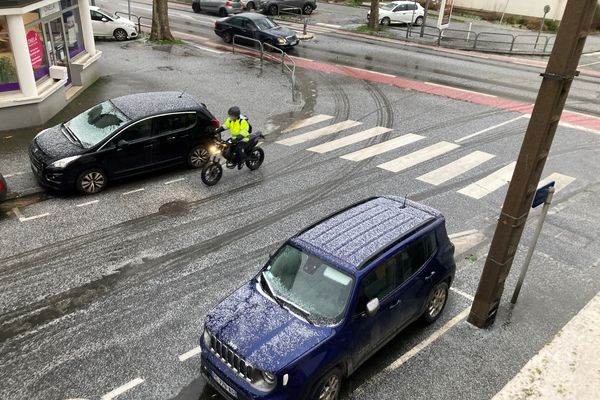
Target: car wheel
x,y
211,173
255,159
91,181
196,7
385,21
273,9
419,21
307,9
328,387
222,12
227,37
198,157
250,6
120,34
436,302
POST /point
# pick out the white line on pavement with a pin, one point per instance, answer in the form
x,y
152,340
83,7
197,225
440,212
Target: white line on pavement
x,y
417,157
456,168
328,130
596,53
206,49
587,65
174,180
315,119
382,147
372,72
432,338
122,389
89,203
463,294
460,90
328,25
462,139
190,354
348,140
15,174
22,218
133,191
490,183
561,181
7,137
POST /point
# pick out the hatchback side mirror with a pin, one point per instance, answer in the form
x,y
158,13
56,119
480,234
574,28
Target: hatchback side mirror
x,y
372,307
104,19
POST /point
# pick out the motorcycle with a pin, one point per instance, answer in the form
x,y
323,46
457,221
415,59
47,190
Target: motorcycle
x,y
213,171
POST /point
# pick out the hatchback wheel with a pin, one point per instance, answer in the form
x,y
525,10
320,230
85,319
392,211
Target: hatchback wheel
x,y
419,21
120,34
250,6
435,304
307,9
385,21
273,10
222,13
91,181
198,157
328,387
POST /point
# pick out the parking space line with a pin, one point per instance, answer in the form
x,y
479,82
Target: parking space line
x,y
383,147
122,389
456,168
89,203
15,174
463,294
22,218
462,139
133,191
174,181
315,119
419,156
190,354
432,338
328,130
348,140
490,183
460,90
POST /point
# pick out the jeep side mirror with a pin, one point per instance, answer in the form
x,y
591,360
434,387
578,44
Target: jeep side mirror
x,y
122,143
372,307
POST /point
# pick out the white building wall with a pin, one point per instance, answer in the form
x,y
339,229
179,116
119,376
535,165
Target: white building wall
x,y
529,8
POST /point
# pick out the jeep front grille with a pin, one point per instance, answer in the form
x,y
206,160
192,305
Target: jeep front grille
x,y
229,357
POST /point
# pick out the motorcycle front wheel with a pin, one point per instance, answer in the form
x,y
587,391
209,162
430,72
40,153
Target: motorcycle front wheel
x,y
255,159
212,173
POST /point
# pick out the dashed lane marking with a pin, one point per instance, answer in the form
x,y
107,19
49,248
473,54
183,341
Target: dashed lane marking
x,y
432,338
462,139
456,168
383,147
132,191
22,218
315,119
463,294
418,157
328,130
348,140
190,354
122,389
89,203
490,183
174,181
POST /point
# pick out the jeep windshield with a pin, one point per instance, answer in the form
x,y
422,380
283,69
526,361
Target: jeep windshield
x,y
312,287
97,123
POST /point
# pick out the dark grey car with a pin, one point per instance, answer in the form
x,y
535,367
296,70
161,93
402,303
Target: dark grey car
x,y
276,7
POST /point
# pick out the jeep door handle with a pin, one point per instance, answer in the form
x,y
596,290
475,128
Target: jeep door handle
x,y
149,147
171,138
395,304
430,276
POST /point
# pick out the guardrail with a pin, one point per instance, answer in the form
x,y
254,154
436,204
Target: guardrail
x,y
139,19
260,46
285,66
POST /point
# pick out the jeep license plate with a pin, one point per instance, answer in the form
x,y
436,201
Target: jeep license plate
x,y
225,386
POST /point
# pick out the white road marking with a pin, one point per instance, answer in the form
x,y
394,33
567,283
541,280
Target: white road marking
x,y
7,137
348,140
328,130
432,338
174,180
381,148
89,203
463,294
587,65
596,53
15,174
456,168
190,354
328,25
122,389
22,218
465,241
460,90
206,49
418,157
315,119
561,181
490,183
572,126
133,191
372,72
462,139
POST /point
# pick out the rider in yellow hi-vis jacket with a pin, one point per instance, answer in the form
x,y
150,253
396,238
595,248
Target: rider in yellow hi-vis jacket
x,y
240,133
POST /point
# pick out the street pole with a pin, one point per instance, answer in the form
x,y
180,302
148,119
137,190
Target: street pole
x,y
553,93
536,236
546,11
504,11
412,20
424,19
129,8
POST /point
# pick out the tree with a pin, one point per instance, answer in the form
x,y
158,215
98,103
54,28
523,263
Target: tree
x,y
374,15
160,21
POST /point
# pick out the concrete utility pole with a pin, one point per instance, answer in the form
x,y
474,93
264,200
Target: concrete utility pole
x,y
554,90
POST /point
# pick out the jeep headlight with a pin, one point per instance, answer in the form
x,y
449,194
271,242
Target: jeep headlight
x,y
264,381
62,163
269,378
281,40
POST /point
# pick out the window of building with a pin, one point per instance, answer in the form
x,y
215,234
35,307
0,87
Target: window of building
x,y
73,33
8,72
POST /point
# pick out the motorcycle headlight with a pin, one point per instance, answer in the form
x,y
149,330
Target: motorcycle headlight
x,y
214,150
281,40
62,163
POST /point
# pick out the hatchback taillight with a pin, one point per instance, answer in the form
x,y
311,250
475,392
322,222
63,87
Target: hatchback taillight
x,y
229,4
2,186
215,123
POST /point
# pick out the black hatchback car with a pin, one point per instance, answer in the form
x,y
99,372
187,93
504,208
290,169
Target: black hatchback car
x,y
258,27
121,137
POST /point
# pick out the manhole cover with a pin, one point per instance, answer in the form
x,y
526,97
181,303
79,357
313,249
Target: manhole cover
x,y
174,208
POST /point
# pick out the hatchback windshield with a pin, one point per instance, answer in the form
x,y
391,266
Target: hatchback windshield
x,y
265,23
97,123
309,284
389,6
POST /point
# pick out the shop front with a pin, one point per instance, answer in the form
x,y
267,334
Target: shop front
x,y
47,56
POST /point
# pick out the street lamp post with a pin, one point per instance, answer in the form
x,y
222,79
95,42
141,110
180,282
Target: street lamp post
x,y
546,11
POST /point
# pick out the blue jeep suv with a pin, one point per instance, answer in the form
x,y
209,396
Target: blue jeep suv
x,y
328,299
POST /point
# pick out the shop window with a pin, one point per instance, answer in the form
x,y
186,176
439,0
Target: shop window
x,y
74,35
37,50
8,72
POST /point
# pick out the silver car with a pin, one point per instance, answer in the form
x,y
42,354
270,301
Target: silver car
x,y
221,7
275,7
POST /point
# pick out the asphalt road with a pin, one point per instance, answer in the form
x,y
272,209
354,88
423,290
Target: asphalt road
x,y
109,292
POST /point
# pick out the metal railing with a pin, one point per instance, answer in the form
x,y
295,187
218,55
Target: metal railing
x,y
138,18
284,66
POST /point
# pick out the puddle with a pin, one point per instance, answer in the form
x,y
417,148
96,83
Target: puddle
x,y
21,202
174,208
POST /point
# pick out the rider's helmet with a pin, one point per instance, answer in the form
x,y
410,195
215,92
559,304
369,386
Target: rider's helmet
x,y
234,112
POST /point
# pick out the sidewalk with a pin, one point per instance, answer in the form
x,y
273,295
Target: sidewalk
x,y
568,367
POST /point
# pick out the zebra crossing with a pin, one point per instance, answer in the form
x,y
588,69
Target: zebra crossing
x,y
491,183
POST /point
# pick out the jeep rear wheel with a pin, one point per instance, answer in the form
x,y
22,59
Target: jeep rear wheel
x,y
436,302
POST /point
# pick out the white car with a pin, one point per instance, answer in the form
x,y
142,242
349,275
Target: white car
x,y
400,12
106,25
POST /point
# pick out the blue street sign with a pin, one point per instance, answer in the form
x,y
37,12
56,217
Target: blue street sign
x,y
541,194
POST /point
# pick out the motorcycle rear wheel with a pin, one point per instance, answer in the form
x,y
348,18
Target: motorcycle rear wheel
x,y
255,159
212,173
